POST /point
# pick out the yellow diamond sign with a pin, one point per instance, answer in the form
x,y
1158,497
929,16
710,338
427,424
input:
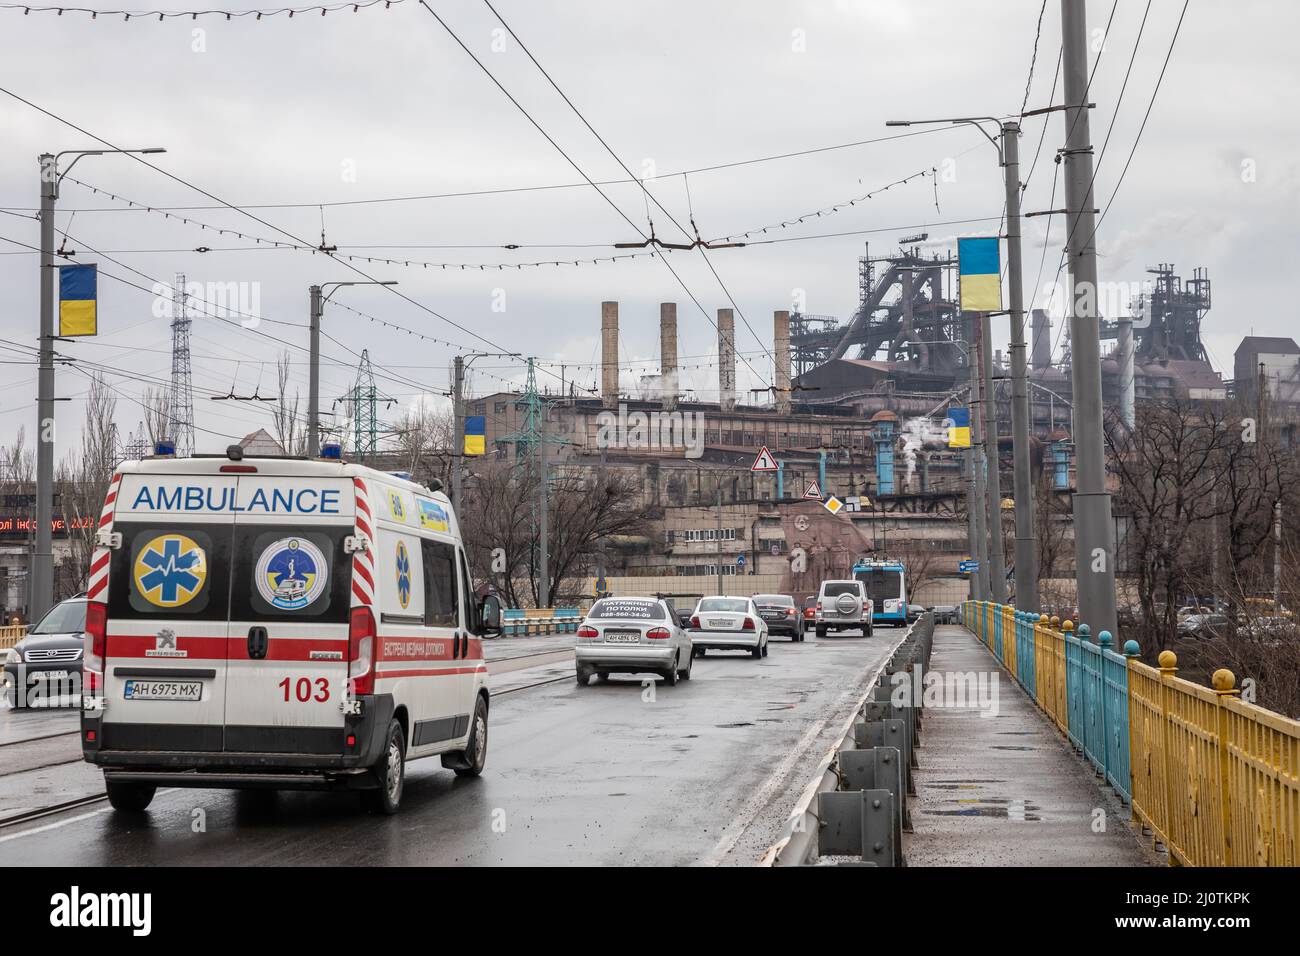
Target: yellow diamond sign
x,y
833,505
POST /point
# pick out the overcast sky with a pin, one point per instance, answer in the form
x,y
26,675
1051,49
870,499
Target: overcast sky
x,y
383,103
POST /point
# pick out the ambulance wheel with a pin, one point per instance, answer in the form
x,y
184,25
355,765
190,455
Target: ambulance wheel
x,y
475,754
390,773
129,797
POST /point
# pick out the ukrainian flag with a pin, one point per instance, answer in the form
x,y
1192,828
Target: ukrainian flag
x,y
475,435
979,267
959,432
77,300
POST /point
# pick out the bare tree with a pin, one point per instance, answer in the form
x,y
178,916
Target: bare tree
x,y
425,436
17,465
82,482
156,403
290,427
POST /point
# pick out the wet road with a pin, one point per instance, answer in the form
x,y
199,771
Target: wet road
x,y
614,773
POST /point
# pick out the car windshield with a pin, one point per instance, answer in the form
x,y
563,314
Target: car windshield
x,y
782,599
738,605
68,617
625,608
836,588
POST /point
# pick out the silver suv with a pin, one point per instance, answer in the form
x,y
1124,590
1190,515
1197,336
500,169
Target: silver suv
x,y
843,605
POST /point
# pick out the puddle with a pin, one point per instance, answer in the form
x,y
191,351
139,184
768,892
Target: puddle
x,y
1015,811
743,723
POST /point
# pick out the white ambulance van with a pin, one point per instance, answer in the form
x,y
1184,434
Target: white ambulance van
x,y
279,623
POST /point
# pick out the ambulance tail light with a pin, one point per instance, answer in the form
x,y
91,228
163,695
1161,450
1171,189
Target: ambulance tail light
x,y
96,640
361,651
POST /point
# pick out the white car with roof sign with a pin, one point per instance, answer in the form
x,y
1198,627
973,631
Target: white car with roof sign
x,y
728,624
632,635
279,623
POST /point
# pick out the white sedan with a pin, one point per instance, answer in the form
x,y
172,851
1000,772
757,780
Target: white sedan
x,y
632,636
728,624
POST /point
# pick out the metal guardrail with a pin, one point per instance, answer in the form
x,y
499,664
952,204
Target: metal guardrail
x,y
1213,778
520,622
11,634
856,805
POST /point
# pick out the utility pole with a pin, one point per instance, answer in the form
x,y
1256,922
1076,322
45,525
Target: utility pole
x,y
543,509
992,477
458,415
1277,557
1022,488
313,377
42,587
1094,545
977,457
719,534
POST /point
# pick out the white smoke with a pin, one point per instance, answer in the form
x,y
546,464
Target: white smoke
x,y
918,434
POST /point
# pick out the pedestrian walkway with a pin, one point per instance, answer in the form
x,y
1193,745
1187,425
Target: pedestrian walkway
x,y
998,785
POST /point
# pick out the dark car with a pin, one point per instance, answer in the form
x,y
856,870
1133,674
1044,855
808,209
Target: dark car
x,y
45,666
781,615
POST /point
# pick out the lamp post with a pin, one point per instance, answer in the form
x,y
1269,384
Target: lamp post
x,y
1008,149
313,385
42,579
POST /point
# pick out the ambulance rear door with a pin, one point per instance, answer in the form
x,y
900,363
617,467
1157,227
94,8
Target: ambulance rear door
x,y
291,579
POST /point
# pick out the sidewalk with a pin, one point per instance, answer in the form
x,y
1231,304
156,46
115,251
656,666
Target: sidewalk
x,y
1007,790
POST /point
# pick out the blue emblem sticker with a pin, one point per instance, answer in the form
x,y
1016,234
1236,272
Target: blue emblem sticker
x,y
170,570
403,575
291,574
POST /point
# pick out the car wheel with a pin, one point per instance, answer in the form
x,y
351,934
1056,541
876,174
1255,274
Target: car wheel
x,y
474,756
690,662
602,675
765,648
757,651
129,797
670,675
583,674
390,773
698,651
821,630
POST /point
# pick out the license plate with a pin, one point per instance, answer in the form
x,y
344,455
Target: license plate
x,y
622,637
768,615
163,690
51,675
718,622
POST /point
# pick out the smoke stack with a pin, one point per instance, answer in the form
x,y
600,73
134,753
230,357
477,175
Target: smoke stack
x,y
668,352
781,360
609,353
1040,354
726,360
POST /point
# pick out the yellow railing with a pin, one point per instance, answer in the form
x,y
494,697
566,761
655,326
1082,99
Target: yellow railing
x,y
1215,779
11,634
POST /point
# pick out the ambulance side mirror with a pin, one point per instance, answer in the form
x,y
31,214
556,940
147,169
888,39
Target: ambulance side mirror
x,y
489,615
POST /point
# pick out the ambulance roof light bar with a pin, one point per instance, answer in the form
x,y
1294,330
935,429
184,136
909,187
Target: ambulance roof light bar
x,y
331,451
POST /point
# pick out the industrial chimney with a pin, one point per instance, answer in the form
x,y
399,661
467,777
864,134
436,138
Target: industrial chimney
x,y
668,353
1040,346
609,353
726,360
781,360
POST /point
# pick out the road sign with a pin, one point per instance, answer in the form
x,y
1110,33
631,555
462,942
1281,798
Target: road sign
x,y
764,461
600,586
966,567
740,560
833,505
814,490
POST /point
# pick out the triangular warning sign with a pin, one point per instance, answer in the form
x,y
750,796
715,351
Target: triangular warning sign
x,y
764,461
814,490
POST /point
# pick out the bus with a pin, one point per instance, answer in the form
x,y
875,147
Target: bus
x,y
886,582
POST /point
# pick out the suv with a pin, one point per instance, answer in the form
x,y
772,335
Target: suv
x,y
843,605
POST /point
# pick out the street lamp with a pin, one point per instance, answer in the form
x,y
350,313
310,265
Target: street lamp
x,y
313,385
1008,150
42,591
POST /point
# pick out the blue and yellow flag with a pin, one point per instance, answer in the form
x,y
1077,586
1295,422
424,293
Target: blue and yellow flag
x,y
978,266
77,300
475,435
959,431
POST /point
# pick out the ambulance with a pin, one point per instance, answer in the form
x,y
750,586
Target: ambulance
x,y
279,623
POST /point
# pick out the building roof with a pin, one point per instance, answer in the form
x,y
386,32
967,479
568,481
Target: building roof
x,y
260,442
1254,344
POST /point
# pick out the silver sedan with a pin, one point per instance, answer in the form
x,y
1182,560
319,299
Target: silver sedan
x,y
632,636
726,624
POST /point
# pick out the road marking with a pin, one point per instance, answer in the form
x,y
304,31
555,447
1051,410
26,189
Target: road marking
x,y
734,830
55,825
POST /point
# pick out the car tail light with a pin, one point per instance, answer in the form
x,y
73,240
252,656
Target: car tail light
x,y
658,633
361,651
96,641
748,625
695,621
588,631
819,606
789,612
